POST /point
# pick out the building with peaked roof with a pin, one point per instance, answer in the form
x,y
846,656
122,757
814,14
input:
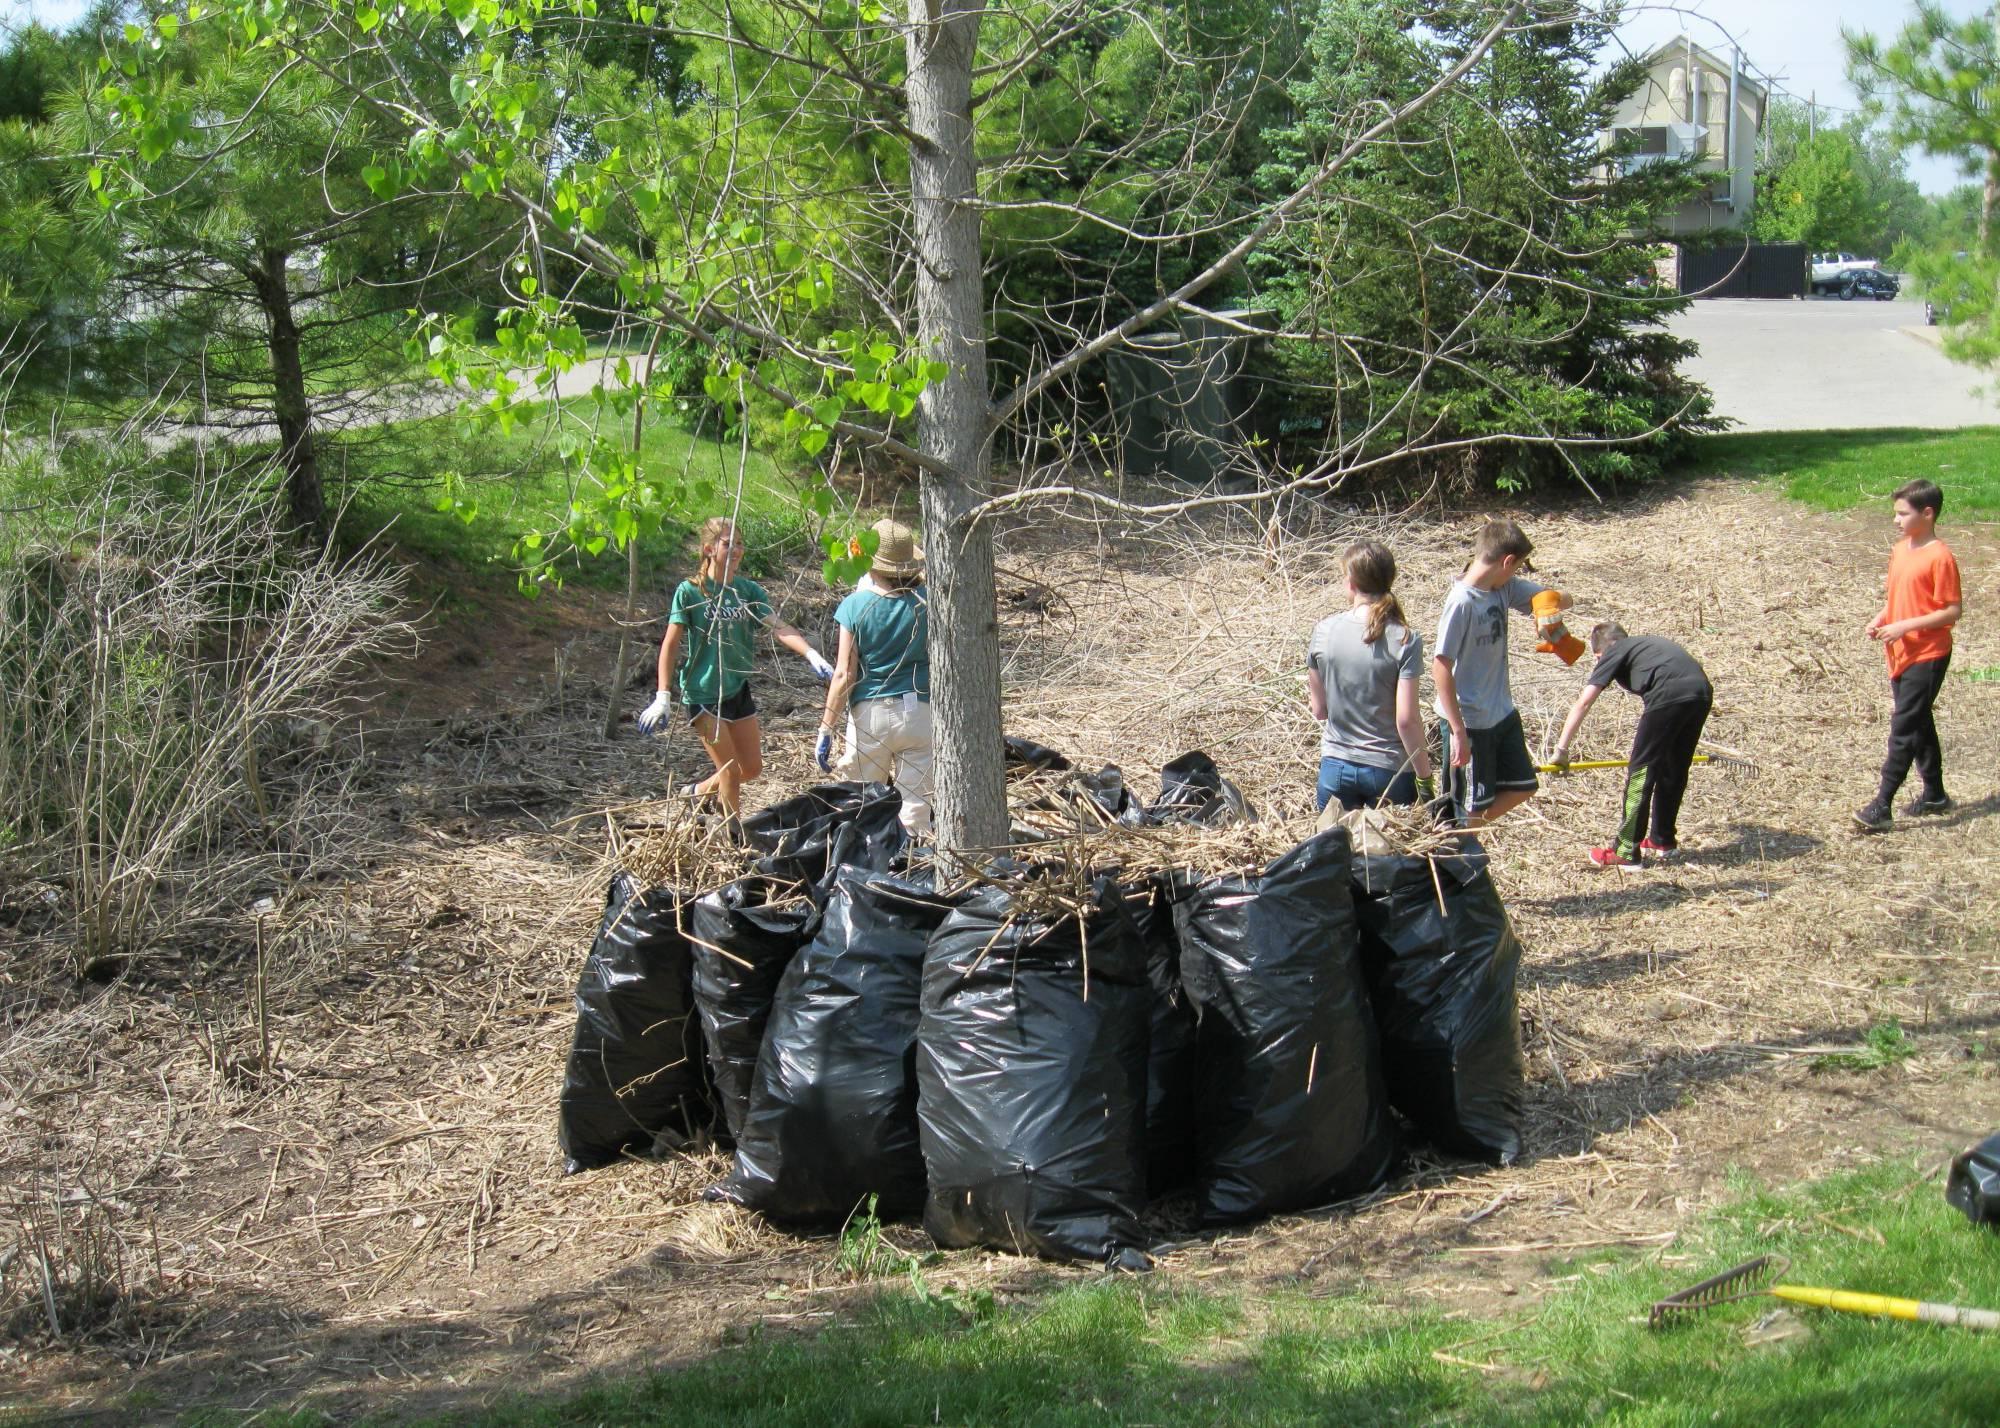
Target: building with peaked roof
x,y
1695,103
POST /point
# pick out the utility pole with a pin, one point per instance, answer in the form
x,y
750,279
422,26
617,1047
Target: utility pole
x,y
1812,117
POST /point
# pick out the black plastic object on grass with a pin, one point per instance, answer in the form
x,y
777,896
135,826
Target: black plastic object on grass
x,y
1031,1080
1027,754
744,936
635,1075
1290,1109
1114,801
1974,1183
1442,963
1193,790
833,1108
828,825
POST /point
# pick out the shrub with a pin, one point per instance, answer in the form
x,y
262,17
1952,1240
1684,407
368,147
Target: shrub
x,y
159,643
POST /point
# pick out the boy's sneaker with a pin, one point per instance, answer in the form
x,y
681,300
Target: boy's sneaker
x,y
1924,804
1874,817
1659,850
1612,858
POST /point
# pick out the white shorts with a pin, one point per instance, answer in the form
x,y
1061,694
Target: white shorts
x,y
889,741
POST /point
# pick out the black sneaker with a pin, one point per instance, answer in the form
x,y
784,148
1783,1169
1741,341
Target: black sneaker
x,y
1927,803
1874,817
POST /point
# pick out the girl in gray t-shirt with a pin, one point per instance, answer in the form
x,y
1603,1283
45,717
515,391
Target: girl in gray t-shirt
x,y
1363,665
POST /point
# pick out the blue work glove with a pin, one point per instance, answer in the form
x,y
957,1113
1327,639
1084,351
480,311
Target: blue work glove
x,y
819,665
653,718
823,751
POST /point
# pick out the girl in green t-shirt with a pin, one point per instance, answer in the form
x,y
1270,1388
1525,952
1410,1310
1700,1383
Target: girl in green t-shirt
x,y
707,654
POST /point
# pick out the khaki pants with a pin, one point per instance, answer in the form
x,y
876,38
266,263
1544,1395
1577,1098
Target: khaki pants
x,y
889,741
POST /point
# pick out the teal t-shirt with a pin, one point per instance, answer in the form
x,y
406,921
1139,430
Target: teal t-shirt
x,y
722,624
892,637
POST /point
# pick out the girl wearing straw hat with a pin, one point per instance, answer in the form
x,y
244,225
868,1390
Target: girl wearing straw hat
x,y
1362,670
710,644
882,678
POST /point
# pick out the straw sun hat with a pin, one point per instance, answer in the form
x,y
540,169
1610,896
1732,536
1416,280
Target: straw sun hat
x,y
897,556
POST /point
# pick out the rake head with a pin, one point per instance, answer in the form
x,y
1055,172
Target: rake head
x,y
1727,761
1745,1281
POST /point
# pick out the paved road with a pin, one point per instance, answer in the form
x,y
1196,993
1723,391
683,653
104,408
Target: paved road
x,y
1820,362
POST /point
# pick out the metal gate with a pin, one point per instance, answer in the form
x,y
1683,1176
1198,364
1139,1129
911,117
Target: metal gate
x,y
1743,270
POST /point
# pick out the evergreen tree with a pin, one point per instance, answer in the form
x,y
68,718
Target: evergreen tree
x,y
1479,287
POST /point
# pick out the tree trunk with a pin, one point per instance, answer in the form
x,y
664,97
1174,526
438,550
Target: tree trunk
x,y
303,494
1987,197
954,425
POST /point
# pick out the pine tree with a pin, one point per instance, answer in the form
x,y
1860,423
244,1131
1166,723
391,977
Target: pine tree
x,y
1480,286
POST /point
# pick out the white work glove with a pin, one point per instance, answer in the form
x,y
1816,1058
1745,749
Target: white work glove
x,y
823,751
819,665
654,717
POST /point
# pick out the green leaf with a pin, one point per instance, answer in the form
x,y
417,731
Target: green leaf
x,y
828,410
168,25
367,17
813,442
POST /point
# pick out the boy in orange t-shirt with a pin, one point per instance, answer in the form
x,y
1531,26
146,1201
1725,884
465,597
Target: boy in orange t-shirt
x,y
1914,626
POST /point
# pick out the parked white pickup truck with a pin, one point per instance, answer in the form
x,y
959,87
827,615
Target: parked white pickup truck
x,y
1830,269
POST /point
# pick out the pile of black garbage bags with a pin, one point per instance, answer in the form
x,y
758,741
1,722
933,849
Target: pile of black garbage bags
x,y
1030,1082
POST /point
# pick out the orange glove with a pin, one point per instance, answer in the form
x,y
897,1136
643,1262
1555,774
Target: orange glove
x,y
1553,637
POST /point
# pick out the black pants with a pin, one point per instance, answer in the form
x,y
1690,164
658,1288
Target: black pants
x,y
1913,734
1656,779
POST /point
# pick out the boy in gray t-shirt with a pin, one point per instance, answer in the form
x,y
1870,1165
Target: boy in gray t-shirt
x,y
1487,750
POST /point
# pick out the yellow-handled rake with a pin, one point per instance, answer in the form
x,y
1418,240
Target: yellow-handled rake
x,y
1727,763
1744,1282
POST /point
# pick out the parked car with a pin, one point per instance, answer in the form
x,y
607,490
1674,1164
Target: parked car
x,y
1829,270
1869,282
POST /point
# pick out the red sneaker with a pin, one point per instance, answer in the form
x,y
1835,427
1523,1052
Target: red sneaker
x,y
1611,858
1658,850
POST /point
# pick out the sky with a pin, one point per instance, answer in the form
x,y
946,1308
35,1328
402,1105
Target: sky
x,y
1794,42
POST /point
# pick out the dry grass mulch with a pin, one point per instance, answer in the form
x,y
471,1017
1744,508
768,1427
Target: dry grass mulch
x,y
377,1216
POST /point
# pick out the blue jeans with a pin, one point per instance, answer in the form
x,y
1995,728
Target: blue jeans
x,y
1357,785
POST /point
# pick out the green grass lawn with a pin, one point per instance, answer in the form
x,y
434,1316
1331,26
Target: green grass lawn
x,y
1837,470
518,483
1153,1352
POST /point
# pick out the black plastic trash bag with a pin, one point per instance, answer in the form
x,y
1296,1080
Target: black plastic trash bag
x,y
1193,790
1173,1066
1290,1110
743,936
833,1109
1027,754
1442,963
1974,1183
1113,800
635,1075
824,827
1031,1081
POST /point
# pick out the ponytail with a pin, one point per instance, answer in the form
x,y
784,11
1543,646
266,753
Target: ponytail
x,y
1372,572
1383,611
